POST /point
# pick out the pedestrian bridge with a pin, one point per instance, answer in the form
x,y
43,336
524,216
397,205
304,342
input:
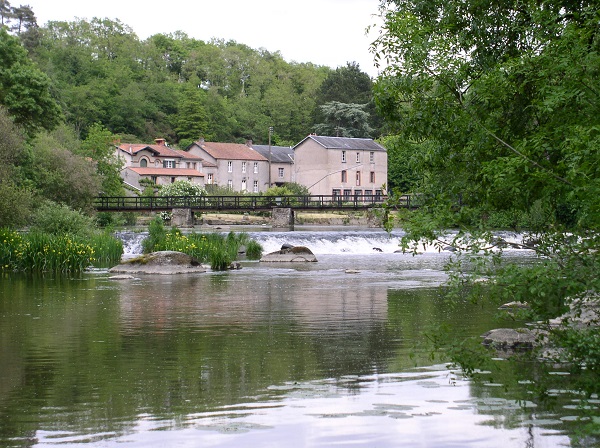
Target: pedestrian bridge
x,y
243,203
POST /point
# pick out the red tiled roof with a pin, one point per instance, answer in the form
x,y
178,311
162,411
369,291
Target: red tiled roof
x,y
160,150
188,172
230,151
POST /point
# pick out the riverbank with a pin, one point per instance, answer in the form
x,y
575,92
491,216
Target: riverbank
x,y
357,219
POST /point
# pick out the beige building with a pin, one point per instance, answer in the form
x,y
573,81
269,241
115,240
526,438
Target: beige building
x,y
236,166
158,163
341,166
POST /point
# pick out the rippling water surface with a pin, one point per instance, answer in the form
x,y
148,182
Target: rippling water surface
x,y
324,354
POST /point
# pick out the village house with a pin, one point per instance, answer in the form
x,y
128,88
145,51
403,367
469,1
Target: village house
x,y
347,167
281,162
341,166
238,166
159,164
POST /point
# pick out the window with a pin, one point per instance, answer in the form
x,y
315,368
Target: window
x,y
372,177
368,194
244,185
172,179
230,167
358,178
347,195
281,173
209,180
244,167
378,195
343,156
143,163
169,164
230,184
187,165
336,192
372,157
154,178
344,176
255,167
358,157
357,195
255,186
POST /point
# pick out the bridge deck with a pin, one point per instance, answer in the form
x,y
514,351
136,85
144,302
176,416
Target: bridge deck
x,y
240,203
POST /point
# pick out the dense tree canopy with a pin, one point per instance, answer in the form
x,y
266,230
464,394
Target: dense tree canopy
x,y
499,101
181,88
24,89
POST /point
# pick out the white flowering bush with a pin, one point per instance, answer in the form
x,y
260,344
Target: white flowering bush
x,y
182,188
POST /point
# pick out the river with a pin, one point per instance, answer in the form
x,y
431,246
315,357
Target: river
x,y
323,354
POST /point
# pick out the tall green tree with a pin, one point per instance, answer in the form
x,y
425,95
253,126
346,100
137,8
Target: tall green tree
x,y
99,147
344,120
16,199
500,103
353,88
24,89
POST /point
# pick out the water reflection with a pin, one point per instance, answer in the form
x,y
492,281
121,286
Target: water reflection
x,y
242,358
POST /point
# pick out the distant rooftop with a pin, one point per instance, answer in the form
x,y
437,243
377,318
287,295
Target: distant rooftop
x,y
279,154
345,143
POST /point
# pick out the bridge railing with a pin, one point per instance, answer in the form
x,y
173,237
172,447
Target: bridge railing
x,y
247,203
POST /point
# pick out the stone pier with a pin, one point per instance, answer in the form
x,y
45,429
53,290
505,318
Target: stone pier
x,y
182,217
282,218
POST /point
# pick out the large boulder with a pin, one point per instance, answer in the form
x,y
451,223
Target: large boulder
x,y
510,339
164,262
290,254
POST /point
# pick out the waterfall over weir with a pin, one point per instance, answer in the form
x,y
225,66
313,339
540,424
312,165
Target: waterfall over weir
x,y
320,242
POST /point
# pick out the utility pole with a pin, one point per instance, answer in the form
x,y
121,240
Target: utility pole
x,y
270,156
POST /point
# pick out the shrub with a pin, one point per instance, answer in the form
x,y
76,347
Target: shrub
x,y
156,235
58,219
254,250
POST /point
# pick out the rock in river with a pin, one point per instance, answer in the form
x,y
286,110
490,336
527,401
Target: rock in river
x,y
164,262
291,254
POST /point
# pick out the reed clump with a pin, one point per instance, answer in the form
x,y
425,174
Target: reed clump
x,y
38,251
214,248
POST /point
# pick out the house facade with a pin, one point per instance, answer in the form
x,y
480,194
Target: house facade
x,y
281,163
236,166
341,166
159,164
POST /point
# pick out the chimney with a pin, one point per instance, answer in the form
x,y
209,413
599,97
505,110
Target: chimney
x,y
160,141
249,143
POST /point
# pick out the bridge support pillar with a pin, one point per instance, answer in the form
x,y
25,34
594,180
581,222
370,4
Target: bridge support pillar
x,y
376,217
182,217
282,218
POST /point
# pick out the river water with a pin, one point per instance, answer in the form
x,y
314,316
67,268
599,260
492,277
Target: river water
x,y
325,354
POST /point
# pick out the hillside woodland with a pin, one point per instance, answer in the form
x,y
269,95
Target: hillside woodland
x,y
69,90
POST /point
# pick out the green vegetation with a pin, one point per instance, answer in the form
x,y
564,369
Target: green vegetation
x,y
43,252
495,107
213,248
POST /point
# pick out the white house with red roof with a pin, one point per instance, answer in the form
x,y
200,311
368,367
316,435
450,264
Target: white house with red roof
x,y
238,166
160,164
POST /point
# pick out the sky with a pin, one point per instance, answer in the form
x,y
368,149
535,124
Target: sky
x,y
324,32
